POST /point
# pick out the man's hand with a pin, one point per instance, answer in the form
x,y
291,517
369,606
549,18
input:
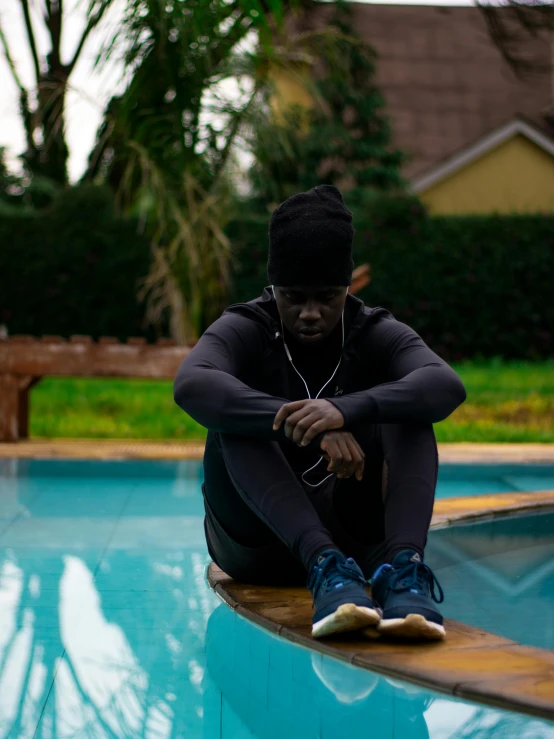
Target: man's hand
x,y
344,454
305,419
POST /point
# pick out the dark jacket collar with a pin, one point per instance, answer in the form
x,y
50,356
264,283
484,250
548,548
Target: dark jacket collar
x,y
263,310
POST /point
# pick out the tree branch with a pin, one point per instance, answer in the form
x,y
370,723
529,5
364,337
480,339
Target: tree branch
x,y
87,700
54,15
239,118
515,28
93,22
235,33
28,124
26,113
31,37
10,61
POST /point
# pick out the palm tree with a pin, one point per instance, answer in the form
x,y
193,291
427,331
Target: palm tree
x,y
42,104
168,143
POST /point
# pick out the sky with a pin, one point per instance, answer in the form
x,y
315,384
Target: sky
x,y
90,89
89,92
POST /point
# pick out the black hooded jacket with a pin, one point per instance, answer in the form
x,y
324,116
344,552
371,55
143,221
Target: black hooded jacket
x,y
238,375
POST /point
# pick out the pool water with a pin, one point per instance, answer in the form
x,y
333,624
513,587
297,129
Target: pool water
x,y
108,628
478,479
499,575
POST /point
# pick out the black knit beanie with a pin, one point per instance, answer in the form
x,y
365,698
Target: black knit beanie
x,y
310,239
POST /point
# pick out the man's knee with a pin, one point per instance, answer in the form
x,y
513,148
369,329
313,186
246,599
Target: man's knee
x,y
236,443
408,436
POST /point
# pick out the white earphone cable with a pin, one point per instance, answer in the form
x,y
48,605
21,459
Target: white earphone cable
x,y
308,391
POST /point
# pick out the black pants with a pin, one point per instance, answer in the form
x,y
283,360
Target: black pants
x,y
265,525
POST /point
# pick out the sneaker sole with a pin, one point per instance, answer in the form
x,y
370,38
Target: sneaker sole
x,y
347,617
413,626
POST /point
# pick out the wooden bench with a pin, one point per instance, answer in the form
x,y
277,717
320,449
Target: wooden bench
x,y
24,360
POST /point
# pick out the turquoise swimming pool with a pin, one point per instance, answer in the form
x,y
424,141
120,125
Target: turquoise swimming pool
x,y
108,629
477,479
499,575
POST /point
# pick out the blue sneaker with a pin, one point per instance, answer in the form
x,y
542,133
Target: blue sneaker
x,y
407,591
341,602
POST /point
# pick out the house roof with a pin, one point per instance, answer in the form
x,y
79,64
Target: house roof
x,y
477,149
445,83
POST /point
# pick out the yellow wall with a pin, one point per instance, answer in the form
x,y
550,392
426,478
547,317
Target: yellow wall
x,y
291,87
516,177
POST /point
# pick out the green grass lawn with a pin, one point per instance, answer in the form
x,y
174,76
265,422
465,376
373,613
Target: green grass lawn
x,y
506,402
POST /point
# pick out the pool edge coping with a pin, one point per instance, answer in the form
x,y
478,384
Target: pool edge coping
x,y
471,664
169,449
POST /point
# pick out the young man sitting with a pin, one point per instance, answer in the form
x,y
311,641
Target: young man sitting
x,y
321,461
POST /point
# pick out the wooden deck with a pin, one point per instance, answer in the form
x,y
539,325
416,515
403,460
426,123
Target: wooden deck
x,y
471,663
102,449
450,511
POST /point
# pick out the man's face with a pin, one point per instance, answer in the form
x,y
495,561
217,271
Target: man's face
x,y
310,313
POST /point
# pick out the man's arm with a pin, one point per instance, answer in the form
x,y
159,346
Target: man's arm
x,y
422,387
207,385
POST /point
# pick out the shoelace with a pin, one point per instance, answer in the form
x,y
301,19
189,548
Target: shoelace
x,y
417,575
334,571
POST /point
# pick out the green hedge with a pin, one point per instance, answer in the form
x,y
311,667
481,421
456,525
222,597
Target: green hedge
x,y
73,268
471,286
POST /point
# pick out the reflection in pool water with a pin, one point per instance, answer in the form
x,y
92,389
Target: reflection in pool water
x,y
108,629
499,575
259,686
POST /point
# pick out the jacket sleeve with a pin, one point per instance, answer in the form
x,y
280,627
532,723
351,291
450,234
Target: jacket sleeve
x,y
420,386
207,385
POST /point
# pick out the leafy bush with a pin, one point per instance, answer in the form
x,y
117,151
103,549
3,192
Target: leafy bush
x,y
73,268
470,285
